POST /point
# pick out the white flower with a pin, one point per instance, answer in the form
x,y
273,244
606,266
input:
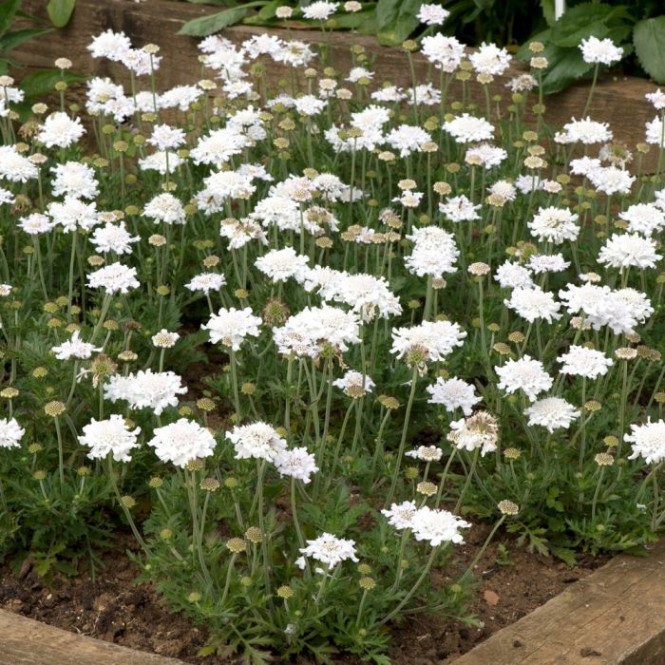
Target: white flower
x,y
146,390
10,433
74,348
584,165
426,453
407,139
75,179
219,146
437,339
434,252
582,361
320,10
296,463
182,441
114,278
533,303
330,550
232,326
109,436
554,225
161,161
181,97
490,59
526,374
355,384
444,52
437,526
479,431
165,137
657,99
431,14
73,214
512,275
648,441
587,131
400,515
258,440
14,166
469,129
604,51
485,155
644,218
282,264
367,295
206,282
551,413
165,208
611,180
113,238
453,394
459,209
111,45
631,249
165,339
545,263
59,130
35,224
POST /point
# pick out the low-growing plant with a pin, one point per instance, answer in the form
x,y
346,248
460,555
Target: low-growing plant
x,y
393,313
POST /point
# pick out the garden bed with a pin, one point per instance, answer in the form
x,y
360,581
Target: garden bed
x,y
113,607
618,101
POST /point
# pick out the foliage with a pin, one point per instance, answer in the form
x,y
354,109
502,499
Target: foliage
x,y
336,273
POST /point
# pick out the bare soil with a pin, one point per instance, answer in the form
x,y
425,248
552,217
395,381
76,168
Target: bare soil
x,y
115,608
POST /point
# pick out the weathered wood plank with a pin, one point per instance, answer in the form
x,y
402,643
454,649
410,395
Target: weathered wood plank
x,y
619,102
615,616
27,642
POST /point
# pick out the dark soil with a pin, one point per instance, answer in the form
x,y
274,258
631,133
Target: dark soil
x,y
116,609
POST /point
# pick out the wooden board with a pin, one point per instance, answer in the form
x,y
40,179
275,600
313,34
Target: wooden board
x,y
619,102
616,616
27,642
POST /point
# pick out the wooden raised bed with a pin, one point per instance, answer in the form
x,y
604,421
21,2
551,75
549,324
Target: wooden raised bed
x,y
619,102
615,616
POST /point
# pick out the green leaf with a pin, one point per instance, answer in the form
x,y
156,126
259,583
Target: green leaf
x,y
649,41
8,9
208,25
567,67
396,20
43,82
548,11
579,23
60,11
12,39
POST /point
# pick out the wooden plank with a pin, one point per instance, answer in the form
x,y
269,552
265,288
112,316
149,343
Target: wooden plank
x,y
27,642
615,616
619,102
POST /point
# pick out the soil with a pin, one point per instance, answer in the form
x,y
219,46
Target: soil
x,y
114,608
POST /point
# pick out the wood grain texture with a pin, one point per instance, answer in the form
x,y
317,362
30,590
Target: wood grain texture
x,y
619,102
616,616
27,642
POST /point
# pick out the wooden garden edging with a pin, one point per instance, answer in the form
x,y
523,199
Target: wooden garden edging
x,y
28,642
619,102
615,616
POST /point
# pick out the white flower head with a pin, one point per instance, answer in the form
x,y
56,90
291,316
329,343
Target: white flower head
x,y
146,390
110,436
600,51
60,131
296,463
182,441
231,326
648,441
582,361
258,440
437,526
526,374
75,348
114,278
10,433
330,550
432,14
551,413
453,394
